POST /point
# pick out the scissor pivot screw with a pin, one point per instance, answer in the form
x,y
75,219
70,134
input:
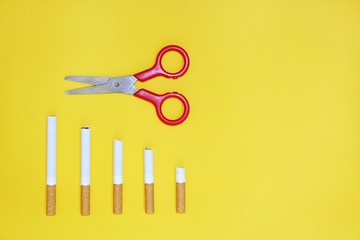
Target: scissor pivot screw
x,y
117,84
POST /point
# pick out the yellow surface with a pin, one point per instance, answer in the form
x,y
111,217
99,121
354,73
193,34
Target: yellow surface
x,y
271,145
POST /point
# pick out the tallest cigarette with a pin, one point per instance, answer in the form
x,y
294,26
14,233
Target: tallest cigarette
x,y
118,177
85,171
51,167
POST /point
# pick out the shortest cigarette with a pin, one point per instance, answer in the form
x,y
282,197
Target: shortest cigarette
x,y
85,200
50,200
180,190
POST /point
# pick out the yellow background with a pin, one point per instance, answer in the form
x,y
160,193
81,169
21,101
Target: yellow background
x,y
271,145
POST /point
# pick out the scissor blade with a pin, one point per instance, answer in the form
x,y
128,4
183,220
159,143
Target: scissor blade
x,y
88,79
105,88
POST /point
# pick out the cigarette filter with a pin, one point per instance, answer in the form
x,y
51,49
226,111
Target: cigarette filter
x,y
51,167
51,200
180,190
118,177
149,180
85,200
85,171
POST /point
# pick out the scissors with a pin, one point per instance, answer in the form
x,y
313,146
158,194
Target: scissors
x,y
125,85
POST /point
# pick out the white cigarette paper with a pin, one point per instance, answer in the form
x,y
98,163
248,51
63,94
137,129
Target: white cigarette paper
x,y
85,156
118,162
149,166
180,175
51,151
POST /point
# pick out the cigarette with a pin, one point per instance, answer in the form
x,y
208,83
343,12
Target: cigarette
x,y
85,171
51,167
180,190
118,177
149,180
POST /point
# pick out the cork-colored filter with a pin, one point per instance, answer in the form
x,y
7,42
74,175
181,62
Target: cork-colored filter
x,y
85,200
117,198
149,198
50,200
180,197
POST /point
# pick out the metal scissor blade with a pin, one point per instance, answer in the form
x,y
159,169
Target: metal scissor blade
x,y
88,79
97,89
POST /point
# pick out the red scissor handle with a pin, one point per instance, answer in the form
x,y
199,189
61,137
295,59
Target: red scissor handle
x,y
158,101
158,70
